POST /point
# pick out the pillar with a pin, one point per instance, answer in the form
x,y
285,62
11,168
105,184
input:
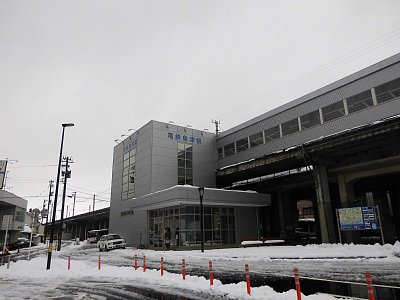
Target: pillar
x,y
346,192
324,204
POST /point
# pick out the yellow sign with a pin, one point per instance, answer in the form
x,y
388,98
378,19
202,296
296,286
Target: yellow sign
x,y
50,247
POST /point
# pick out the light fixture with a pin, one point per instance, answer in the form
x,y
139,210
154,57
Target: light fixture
x,y
201,194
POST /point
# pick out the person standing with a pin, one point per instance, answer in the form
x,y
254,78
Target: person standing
x,y
167,238
177,236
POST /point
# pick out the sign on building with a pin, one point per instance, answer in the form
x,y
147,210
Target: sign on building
x,y
3,167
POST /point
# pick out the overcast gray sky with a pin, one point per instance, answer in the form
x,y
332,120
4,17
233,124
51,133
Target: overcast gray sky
x,y
109,66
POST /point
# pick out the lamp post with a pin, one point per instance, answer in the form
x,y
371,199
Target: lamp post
x,y
201,193
55,197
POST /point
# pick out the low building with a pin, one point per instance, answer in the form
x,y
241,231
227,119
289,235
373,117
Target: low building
x,y
12,216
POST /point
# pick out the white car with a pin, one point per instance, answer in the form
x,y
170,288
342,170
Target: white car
x,y
111,241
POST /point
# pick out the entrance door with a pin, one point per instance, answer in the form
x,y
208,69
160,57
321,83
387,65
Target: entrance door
x,y
158,231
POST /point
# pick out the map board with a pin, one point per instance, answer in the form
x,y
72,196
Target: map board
x,y
358,218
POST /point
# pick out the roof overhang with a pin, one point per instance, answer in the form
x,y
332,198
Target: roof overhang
x,y
189,195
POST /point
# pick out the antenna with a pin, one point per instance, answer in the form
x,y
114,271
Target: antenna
x,y
216,125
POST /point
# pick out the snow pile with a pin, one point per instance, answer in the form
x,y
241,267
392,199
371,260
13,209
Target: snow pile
x,y
34,271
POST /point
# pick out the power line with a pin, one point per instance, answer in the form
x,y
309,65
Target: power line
x,y
368,47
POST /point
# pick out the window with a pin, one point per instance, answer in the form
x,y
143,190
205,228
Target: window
x,y
185,164
229,149
359,101
128,175
20,214
220,153
256,139
242,145
388,91
310,120
333,111
290,127
271,134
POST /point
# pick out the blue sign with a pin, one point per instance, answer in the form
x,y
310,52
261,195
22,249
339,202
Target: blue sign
x,y
130,145
184,138
358,218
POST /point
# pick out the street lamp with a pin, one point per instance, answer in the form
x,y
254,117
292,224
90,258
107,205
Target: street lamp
x,y
201,193
55,197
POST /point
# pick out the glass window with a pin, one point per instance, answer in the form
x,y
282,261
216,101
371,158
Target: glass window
x,y
242,145
225,236
229,149
188,164
220,153
185,164
224,222
359,101
310,120
388,91
126,156
126,170
272,134
290,127
189,155
181,163
20,214
256,139
181,172
333,111
181,154
188,209
132,152
207,222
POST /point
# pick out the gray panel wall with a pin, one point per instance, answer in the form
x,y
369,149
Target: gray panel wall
x,y
353,120
246,224
165,161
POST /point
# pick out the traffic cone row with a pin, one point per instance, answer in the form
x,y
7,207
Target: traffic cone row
x,y
371,295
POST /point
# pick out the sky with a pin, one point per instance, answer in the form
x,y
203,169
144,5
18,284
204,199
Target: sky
x,y
24,279
111,66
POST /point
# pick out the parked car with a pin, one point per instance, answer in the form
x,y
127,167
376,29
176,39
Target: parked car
x,y
20,243
111,241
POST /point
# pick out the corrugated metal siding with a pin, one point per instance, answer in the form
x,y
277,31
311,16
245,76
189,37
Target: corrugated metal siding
x,y
356,119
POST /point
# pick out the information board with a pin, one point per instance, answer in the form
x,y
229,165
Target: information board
x,y
358,218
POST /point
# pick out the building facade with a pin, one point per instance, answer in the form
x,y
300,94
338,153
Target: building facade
x,y
337,147
12,216
156,172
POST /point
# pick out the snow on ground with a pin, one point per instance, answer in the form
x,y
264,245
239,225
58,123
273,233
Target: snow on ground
x,y
84,268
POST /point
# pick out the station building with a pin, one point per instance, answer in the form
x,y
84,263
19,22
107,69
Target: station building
x,y
336,147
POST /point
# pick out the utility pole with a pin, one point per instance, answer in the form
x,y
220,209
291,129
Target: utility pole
x,y
94,199
67,174
48,207
73,207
